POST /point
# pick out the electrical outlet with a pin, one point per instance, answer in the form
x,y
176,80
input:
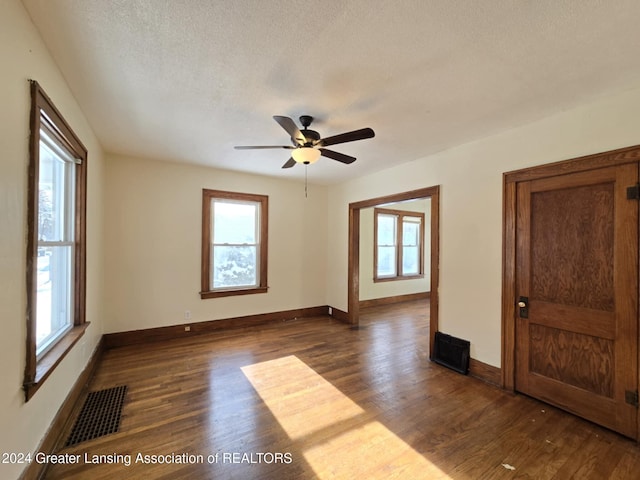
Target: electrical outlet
x,y
187,314
187,328
330,311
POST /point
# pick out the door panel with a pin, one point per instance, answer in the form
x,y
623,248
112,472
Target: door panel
x,y
583,361
577,262
572,230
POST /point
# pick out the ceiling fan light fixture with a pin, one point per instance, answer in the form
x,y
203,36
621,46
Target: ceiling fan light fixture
x,y
306,155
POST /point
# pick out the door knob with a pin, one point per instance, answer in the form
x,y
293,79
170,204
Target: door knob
x,y
524,307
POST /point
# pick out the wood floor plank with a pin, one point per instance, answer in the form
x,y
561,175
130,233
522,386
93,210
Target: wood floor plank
x,y
335,403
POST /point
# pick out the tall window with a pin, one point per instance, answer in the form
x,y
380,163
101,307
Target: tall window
x,y
234,243
398,249
56,240
56,233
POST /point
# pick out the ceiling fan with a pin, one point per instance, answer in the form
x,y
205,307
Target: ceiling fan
x,y
307,146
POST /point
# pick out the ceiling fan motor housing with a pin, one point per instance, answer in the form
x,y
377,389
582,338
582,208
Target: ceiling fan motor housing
x,y
305,120
310,135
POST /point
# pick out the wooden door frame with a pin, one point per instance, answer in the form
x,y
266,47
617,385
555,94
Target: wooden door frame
x,y
509,241
353,280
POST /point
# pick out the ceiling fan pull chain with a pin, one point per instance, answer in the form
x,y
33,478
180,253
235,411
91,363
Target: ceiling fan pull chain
x,y
305,180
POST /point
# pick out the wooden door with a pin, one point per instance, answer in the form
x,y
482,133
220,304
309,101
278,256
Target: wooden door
x,y
577,274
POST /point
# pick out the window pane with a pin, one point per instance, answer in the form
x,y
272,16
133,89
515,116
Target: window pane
x,y
234,266
386,261
54,304
410,259
52,207
410,233
386,230
234,223
54,292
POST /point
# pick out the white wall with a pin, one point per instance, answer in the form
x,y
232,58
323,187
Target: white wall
x,y
471,207
153,244
370,289
23,56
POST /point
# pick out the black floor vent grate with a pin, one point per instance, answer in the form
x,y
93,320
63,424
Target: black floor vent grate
x,y
100,415
452,352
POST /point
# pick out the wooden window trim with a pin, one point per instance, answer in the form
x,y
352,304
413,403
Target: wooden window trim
x,y
263,200
400,214
37,370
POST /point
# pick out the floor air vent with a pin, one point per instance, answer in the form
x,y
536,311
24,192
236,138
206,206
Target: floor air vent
x,y
100,415
451,352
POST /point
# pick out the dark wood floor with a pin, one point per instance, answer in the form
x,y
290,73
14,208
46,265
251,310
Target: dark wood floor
x,y
313,398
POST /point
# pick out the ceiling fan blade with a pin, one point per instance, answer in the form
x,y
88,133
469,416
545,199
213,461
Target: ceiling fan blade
x,y
291,128
289,163
341,157
347,137
260,147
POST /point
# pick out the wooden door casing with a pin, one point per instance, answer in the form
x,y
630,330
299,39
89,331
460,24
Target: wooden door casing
x,y
577,262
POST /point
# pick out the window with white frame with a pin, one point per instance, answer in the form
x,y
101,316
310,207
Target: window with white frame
x,y
398,249
411,245
55,242
234,243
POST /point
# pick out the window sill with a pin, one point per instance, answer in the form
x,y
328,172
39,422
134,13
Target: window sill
x,y
393,279
52,358
230,293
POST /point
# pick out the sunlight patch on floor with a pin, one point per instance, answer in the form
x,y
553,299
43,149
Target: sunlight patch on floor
x,y
303,402
339,439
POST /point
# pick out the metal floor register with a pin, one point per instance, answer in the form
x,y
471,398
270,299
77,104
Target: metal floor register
x,y
100,415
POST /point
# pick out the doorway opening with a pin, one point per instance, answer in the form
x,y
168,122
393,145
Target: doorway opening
x,y
353,282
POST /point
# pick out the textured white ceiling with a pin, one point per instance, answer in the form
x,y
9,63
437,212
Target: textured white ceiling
x,y
186,80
